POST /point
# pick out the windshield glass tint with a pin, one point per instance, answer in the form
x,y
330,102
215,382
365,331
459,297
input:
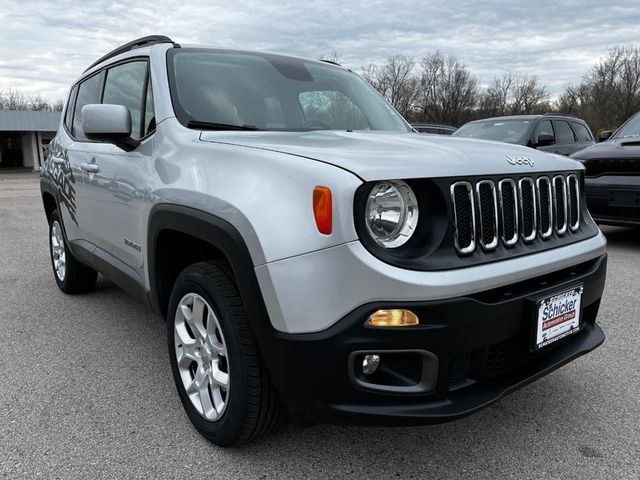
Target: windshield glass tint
x,y
630,129
510,131
273,92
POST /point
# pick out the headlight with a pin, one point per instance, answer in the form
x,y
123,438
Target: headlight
x,y
391,213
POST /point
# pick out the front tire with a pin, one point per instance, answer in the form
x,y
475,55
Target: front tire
x,y
71,276
223,386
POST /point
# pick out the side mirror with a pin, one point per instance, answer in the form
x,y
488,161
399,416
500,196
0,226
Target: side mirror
x,y
605,135
544,140
108,123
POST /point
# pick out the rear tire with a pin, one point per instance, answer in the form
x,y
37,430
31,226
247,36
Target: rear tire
x,y
71,276
223,386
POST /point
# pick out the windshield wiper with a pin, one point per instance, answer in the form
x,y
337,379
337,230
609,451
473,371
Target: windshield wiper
x,y
218,126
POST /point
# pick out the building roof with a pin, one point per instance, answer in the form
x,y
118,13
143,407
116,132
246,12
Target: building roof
x,y
28,121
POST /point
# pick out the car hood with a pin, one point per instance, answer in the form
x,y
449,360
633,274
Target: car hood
x,y
617,148
377,156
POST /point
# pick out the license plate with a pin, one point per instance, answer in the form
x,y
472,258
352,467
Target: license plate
x,y
558,316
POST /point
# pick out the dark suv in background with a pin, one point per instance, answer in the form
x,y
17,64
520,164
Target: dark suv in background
x,y
612,176
551,133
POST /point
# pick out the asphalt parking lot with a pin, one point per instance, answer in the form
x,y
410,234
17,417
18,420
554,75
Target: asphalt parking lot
x,y
86,392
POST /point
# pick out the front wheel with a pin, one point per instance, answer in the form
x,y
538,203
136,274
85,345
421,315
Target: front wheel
x,y
71,275
222,383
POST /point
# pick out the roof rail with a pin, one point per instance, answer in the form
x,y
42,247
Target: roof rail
x,y
560,114
138,43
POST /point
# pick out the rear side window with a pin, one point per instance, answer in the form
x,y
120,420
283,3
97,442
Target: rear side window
x,y
582,132
564,134
68,114
88,92
125,85
544,128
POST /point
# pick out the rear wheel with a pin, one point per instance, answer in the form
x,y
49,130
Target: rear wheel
x,y
71,275
222,383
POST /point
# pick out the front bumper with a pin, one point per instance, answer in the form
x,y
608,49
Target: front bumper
x,y
614,199
481,342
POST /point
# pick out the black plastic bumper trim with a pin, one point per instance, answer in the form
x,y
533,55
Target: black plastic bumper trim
x,y
311,373
467,401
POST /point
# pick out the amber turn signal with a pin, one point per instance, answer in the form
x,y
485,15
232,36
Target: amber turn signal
x,y
322,209
392,318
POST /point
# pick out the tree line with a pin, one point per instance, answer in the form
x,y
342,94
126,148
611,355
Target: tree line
x,y
11,99
439,88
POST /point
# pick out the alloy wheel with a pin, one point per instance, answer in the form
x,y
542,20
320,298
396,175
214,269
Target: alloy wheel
x,y
58,251
201,356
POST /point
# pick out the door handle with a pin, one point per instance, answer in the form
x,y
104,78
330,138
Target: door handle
x,y
90,167
57,160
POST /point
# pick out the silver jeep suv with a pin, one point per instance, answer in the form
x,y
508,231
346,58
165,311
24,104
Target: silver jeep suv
x,y
311,253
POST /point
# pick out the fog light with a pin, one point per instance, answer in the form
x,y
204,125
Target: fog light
x,y
393,318
370,364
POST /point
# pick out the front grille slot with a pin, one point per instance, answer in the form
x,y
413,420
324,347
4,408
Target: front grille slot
x,y
545,207
560,204
527,208
611,166
509,210
488,209
464,217
573,196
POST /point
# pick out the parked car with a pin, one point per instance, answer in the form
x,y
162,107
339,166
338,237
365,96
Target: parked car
x,y
433,128
308,250
550,132
612,175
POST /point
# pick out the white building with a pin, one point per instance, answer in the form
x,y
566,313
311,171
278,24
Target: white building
x,y
25,137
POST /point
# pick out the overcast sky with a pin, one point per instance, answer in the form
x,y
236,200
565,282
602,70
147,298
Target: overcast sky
x,y
45,45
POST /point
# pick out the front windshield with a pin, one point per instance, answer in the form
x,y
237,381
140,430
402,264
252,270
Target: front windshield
x,y
630,129
273,92
510,131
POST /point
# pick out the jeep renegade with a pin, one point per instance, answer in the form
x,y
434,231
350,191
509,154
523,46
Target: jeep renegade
x,y
310,252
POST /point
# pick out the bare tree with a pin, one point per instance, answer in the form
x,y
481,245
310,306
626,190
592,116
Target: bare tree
x,y
370,74
494,100
609,93
528,95
12,99
57,105
38,103
448,90
442,89
575,100
513,94
395,80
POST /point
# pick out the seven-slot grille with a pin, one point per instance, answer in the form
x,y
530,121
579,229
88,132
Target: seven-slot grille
x,y
513,210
